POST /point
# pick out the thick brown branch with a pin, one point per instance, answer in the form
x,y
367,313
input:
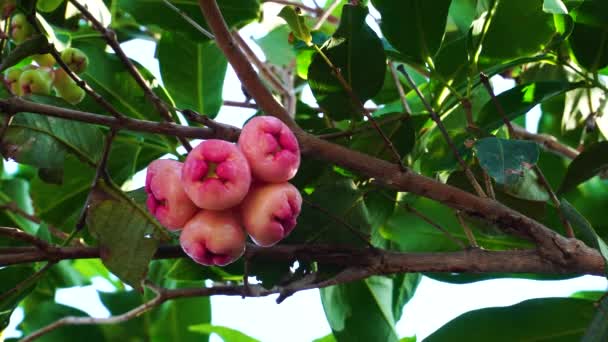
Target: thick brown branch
x,y
585,261
552,245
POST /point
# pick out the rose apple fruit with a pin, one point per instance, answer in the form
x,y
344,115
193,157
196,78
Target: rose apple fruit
x,y
216,175
167,200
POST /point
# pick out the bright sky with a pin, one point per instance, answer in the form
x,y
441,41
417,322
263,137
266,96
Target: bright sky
x,y
301,317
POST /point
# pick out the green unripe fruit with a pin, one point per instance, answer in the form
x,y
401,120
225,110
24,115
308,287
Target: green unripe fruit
x,y
46,60
12,80
75,59
48,5
7,7
38,81
66,88
21,29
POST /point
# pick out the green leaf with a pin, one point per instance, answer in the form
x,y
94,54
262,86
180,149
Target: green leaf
x,y
296,23
521,23
225,333
11,276
342,218
38,44
358,53
118,303
554,7
365,310
48,5
174,319
128,236
506,160
598,329
237,13
528,187
401,132
589,163
589,37
276,46
414,27
16,191
43,141
588,234
519,100
326,338
193,72
48,312
546,319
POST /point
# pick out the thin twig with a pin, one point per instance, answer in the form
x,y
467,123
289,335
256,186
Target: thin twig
x,y
190,21
488,183
548,142
268,75
27,282
399,86
110,38
433,224
501,111
100,173
356,102
467,231
362,128
555,200
435,117
326,14
17,234
12,207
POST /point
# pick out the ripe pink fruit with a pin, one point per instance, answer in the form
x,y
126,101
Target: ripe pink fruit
x,y
213,237
270,211
167,200
271,149
216,175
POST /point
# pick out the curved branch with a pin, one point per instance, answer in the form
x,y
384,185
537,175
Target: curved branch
x,y
551,244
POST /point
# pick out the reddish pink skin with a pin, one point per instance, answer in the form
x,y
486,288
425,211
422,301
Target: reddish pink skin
x,y
271,149
232,175
270,212
213,237
167,200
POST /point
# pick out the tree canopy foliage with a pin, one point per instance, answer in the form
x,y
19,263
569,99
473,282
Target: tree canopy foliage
x,y
411,163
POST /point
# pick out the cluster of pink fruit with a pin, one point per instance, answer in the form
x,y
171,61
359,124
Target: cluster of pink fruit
x,y
223,190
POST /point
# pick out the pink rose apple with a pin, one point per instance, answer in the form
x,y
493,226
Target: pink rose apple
x,y
271,149
270,211
167,200
213,237
216,175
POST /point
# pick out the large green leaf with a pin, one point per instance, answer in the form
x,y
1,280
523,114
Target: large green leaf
x,y
276,46
519,100
11,276
598,329
367,310
546,319
126,233
237,13
43,141
193,72
401,132
589,38
588,234
506,160
118,303
16,191
357,52
586,165
518,28
176,317
414,27
48,312
225,333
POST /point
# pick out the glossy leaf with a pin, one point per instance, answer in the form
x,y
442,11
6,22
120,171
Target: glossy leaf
x,y
589,163
225,333
11,277
414,27
519,100
174,320
357,52
296,23
554,319
506,160
126,252
365,310
588,39
598,329
193,72
587,232
554,7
